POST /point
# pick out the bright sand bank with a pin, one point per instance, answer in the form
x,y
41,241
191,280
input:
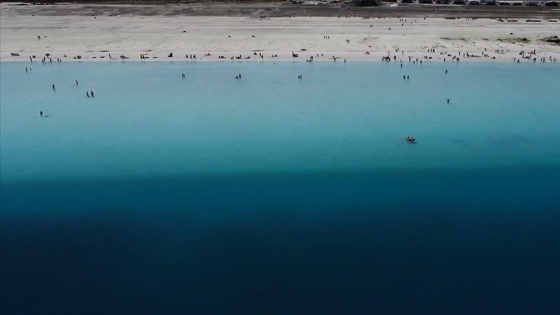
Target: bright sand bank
x,y
103,36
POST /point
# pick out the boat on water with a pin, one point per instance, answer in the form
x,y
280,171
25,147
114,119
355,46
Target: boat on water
x,y
409,139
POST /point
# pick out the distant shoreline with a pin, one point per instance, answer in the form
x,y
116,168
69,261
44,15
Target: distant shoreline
x,y
270,32
284,9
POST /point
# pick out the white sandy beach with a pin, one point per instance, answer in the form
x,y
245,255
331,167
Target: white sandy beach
x,y
102,37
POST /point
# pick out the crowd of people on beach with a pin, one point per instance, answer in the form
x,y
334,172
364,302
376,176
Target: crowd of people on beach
x,y
411,57
387,58
400,23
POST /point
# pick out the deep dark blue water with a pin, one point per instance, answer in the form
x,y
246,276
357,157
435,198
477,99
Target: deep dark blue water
x,y
386,242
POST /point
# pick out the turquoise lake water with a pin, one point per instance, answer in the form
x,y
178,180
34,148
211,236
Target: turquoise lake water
x,y
274,195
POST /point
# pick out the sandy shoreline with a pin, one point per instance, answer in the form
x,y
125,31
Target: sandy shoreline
x,y
71,30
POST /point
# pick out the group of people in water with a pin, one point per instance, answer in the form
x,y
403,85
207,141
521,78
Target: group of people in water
x,y
89,93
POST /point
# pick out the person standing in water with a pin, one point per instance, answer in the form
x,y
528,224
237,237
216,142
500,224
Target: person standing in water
x,y
77,84
41,113
53,88
91,92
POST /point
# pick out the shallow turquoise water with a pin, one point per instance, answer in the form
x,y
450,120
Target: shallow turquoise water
x,y
145,120
269,194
